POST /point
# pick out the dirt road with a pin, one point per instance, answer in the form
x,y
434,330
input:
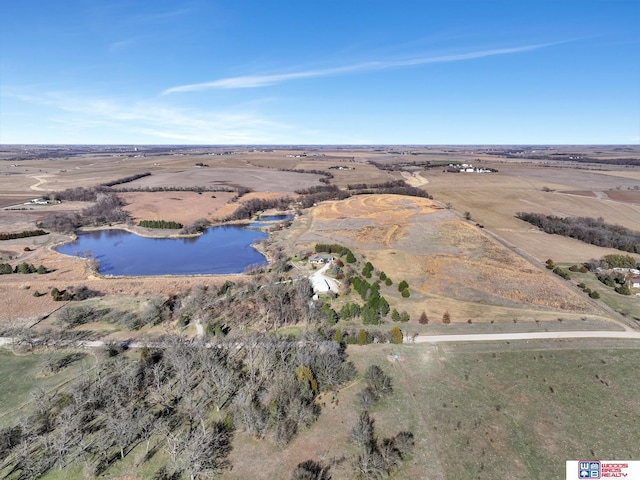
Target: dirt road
x,y
480,337
490,337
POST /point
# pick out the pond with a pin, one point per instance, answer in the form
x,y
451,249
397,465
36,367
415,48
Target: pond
x,y
221,249
265,221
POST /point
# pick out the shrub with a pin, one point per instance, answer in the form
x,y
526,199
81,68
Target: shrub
x,y
594,294
25,268
623,289
403,285
405,293
396,335
61,296
561,272
337,336
423,320
330,315
311,470
378,381
619,261
388,282
366,397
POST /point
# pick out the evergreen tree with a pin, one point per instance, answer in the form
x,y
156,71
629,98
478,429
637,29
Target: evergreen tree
x,y
396,335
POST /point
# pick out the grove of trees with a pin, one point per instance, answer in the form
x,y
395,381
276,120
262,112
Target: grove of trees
x,y
160,399
586,229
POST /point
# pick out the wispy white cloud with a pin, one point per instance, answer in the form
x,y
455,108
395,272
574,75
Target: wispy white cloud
x,y
152,119
121,45
253,81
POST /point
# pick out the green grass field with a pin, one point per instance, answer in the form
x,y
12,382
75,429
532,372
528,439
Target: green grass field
x,y
478,411
627,305
21,374
509,415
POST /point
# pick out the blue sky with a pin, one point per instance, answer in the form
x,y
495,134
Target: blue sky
x,y
320,72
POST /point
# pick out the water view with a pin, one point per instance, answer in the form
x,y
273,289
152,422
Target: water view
x,y
264,221
222,249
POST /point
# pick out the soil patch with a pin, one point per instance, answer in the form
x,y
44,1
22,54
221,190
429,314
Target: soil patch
x,y
627,196
183,207
583,193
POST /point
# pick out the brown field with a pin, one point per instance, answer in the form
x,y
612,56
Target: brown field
x,y
449,263
494,199
628,196
184,207
463,402
259,180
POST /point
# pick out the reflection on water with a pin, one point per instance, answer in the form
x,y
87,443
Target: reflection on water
x,y
222,249
270,220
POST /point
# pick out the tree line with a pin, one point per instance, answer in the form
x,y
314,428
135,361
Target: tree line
x,y
24,268
23,234
198,189
586,229
320,193
107,209
337,249
169,224
128,179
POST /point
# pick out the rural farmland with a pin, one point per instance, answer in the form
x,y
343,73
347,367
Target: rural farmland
x,y
435,281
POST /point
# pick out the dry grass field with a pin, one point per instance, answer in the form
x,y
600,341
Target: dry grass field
x,y
449,263
184,207
483,410
494,199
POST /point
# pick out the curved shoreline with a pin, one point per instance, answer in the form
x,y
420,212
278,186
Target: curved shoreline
x,y
255,245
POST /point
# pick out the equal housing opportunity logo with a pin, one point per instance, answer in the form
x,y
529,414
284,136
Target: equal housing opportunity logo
x,y
583,469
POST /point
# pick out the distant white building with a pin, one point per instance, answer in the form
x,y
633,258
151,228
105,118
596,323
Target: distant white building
x,y
37,201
